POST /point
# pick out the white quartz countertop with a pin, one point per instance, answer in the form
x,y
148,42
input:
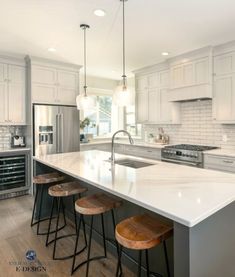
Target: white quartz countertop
x,y
187,195
12,150
221,152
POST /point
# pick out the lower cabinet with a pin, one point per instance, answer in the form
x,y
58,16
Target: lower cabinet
x,y
98,146
132,150
221,163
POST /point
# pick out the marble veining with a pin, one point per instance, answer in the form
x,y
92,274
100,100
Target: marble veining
x,y
187,195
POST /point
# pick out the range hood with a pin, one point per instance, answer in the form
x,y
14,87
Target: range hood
x,y
191,93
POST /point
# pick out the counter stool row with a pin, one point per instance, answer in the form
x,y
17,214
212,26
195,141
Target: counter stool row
x,y
140,232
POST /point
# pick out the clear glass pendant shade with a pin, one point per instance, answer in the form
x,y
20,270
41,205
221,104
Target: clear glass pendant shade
x,y
122,96
85,102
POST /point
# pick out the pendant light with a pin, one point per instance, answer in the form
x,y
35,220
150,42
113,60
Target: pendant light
x,y
122,95
83,100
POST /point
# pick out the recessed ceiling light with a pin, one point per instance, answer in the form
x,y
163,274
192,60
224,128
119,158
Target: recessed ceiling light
x,y
99,12
165,53
51,49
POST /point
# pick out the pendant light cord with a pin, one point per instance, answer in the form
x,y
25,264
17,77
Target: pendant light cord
x,y
124,44
85,85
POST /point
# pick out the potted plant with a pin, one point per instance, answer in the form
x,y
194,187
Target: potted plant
x,y
84,125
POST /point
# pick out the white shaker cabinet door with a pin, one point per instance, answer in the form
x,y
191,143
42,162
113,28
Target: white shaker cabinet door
x,y
16,94
44,84
177,76
153,106
224,64
224,98
68,87
201,71
165,106
3,93
142,83
142,106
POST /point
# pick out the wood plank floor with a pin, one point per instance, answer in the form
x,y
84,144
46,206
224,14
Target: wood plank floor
x,y
17,237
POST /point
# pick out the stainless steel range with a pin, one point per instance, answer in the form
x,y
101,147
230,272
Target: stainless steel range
x,y
185,154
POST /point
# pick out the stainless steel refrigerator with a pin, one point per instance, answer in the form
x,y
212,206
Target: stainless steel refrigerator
x,y
56,129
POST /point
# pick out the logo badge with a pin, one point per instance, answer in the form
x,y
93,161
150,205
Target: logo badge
x,y
30,255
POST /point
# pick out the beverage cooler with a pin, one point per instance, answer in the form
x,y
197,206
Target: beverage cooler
x,y
14,179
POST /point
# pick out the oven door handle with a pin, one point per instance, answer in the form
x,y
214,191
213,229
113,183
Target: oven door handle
x,y
180,162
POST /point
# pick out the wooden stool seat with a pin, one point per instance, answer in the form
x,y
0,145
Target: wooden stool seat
x,y
98,203
48,178
66,189
142,232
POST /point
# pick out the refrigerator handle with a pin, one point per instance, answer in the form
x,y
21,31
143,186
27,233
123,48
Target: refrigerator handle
x,y
57,133
61,133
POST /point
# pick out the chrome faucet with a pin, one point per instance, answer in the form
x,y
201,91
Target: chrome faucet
x,y
112,158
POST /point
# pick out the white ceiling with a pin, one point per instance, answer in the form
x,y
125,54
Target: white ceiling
x,y
153,26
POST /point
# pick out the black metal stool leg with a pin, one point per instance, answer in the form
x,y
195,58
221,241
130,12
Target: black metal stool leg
x,y
166,257
103,231
63,208
117,246
84,228
119,266
56,230
49,225
89,247
76,246
139,263
147,262
40,209
75,215
34,205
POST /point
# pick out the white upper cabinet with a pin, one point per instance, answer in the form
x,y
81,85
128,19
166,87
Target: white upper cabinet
x,y
153,105
142,106
12,94
141,83
224,64
3,94
67,86
16,94
190,73
224,88
53,83
191,76
152,99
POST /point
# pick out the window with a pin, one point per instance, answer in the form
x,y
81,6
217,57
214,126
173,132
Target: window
x,y
101,118
130,122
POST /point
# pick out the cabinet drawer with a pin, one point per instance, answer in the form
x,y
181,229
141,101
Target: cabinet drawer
x,y
144,152
219,163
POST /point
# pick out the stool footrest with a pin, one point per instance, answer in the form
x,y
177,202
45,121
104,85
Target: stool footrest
x,y
61,237
45,233
85,262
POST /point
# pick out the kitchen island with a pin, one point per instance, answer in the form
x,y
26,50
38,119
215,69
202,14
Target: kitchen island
x,y
199,202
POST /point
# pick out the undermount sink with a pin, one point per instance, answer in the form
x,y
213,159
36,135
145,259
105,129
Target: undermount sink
x,y
132,163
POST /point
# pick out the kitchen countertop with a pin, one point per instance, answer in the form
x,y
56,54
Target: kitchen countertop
x,y
136,143
187,195
12,150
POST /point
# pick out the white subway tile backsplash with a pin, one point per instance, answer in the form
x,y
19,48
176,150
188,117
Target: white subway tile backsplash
x,y
6,132
197,127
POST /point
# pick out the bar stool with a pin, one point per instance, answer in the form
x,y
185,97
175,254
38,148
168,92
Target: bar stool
x,y
142,232
59,192
96,204
40,182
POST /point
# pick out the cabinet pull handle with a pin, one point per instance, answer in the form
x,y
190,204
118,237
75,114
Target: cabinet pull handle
x,y
228,162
